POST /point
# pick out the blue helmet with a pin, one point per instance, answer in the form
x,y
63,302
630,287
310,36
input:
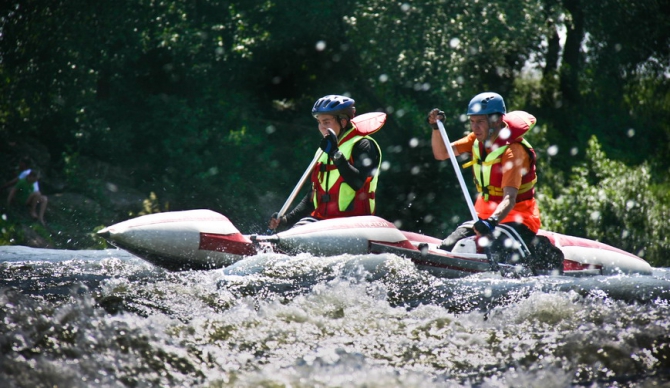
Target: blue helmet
x,y
486,103
335,105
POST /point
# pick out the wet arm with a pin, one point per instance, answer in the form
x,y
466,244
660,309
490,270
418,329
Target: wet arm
x,y
9,184
304,208
460,146
439,150
507,204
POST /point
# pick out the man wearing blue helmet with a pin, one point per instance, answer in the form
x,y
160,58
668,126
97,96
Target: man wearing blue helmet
x,y
504,172
344,179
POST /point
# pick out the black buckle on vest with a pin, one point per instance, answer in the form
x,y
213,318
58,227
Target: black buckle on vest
x,y
322,167
325,198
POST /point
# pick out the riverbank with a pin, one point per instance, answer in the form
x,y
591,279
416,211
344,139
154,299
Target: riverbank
x,y
100,195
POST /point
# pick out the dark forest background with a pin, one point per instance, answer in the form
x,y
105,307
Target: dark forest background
x,y
206,104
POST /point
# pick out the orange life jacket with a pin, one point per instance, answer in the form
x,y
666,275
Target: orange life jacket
x,y
488,173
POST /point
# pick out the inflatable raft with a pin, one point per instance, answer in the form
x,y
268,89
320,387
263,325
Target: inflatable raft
x,y
204,239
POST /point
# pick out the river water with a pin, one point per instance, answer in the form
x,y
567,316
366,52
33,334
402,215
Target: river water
x,y
109,319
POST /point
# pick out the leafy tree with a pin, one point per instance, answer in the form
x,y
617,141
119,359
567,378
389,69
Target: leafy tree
x,y
610,202
611,48
449,50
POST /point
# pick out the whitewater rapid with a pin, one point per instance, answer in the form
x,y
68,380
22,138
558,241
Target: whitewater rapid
x,y
109,319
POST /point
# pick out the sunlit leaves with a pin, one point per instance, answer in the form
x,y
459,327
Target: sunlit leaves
x,y
613,203
451,45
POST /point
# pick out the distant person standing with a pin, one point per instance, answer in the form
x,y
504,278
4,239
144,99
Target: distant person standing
x,y
27,192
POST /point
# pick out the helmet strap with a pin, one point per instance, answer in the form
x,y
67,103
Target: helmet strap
x,y
492,121
347,123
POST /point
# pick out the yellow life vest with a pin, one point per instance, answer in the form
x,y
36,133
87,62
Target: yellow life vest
x,y
335,198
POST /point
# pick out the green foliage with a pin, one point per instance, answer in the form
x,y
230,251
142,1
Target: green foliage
x,y
613,203
612,75
446,50
10,232
18,228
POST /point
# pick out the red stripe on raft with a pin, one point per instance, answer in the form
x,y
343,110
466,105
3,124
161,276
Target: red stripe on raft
x,y
569,265
446,266
563,240
400,244
333,224
408,245
235,244
416,237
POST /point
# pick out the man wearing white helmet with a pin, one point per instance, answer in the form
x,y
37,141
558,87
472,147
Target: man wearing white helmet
x,y
505,175
344,179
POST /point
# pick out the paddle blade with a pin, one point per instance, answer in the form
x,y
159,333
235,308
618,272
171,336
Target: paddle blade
x,y
369,123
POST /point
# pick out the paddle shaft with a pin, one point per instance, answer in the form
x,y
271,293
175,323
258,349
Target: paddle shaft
x,y
297,188
454,162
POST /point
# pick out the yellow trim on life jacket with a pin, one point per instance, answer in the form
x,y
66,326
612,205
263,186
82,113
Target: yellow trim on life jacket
x,y
482,171
484,163
497,191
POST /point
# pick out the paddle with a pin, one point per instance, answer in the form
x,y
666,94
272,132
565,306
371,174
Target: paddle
x,y
452,157
301,182
365,124
494,265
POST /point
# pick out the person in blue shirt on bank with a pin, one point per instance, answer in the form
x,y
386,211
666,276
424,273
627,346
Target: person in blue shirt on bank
x,y
27,192
24,170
